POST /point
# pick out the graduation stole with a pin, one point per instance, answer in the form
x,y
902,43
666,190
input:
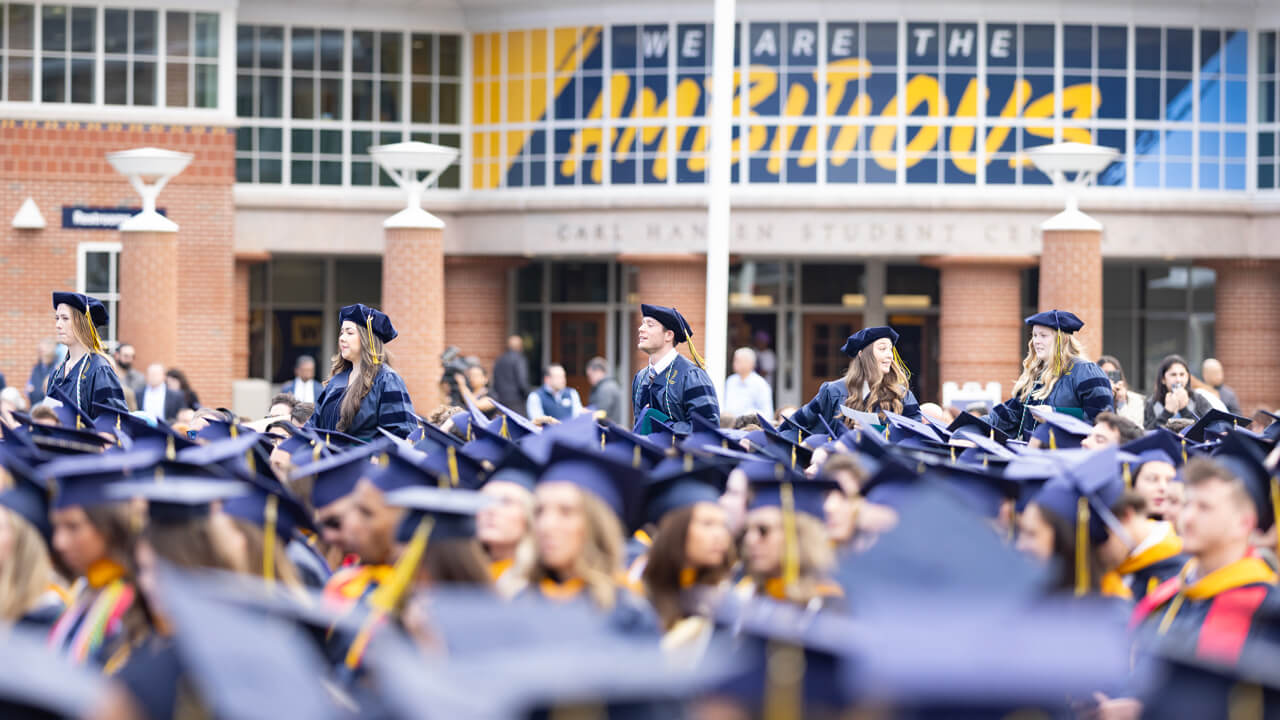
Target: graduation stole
x,y
1248,570
1168,546
84,627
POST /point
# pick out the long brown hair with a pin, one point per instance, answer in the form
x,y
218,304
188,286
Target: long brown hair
x,y
601,558
118,525
358,387
26,574
1066,350
284,570
456,561
887,389
1063,559
186,545
666,566
85,334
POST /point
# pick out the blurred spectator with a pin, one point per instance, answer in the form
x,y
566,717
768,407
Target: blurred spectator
x,y
746,392
1129,404
177,381
746,423
477,380
46,361
510,382
766,358
1179,424
44,415
303,387
554,399
282,405
443,413
1215,377
183,419
129,376
200,418
302,412
158,400
935,412
1171,398
606,393
784,412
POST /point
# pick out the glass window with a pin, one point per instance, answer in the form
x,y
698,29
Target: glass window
x,y
832,284
579,282
358,281
293,280
911,286
756,284
529,283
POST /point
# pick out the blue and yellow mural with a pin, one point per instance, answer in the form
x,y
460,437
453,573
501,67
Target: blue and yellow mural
x,y
859,102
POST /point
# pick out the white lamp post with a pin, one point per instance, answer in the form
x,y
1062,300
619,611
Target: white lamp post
x,y
403,161
1083,163
149,170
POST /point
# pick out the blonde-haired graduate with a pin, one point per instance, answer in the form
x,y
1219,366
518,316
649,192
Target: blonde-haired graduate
x,y
86,374
1055,374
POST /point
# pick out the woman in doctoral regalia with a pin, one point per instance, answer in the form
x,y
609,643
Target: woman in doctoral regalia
x,y
363,392
1055,374
86,374
876,382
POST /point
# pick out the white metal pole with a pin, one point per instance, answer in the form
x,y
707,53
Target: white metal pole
x,y
717,328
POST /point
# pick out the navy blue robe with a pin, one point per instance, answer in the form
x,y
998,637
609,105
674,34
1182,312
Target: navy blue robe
x,y
386,406
1084,387
826,404
680,392
97,383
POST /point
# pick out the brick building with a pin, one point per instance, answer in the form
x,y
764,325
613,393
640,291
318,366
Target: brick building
x,y
859,195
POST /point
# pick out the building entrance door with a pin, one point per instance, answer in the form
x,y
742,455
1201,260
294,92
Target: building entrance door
x,y
576,337
821,358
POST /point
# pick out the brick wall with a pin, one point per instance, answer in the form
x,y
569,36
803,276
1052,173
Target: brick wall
x,y
678,281
240,317
980,330
1247,329
63,163
476,305
1071,279
149,301
413,295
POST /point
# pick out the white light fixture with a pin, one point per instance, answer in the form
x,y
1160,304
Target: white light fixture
x,y
1083,163
149,170
403,161
28,217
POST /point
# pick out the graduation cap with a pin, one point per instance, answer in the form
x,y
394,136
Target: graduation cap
x,y
177,500
867,336
645,453
774,484
69,413
1171,443
1083,495
453,468
38,683
374,323
447,514
616,484
902,427
217,430
778,446
90,306
435,440
64,440
983,489
145,431
669,318
512,424
982,427
1059,430
1214,423
78,479
974,437
1245,461
336,476
679,482
28,496
1055,320
244,664
938,547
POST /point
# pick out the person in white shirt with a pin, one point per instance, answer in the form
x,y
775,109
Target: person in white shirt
x,y
157,399
745,391
554,398
303,387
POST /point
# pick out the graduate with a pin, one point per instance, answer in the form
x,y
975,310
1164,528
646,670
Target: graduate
x,y
583,501
672,389
30,592
876,382
1211,603
363,393
86,374
786,551
1157,550
1056,374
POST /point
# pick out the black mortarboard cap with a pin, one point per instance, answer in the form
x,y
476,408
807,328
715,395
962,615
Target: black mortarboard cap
x,y
452,512
1056,320
365,317
1213,424
867,336
669,318
679,482
177,500
771,481
85,304
615,483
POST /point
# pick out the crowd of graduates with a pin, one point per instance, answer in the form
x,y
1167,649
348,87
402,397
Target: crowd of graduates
x,y
859,560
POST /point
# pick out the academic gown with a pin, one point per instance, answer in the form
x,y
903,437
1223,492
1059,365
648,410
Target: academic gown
x,y
1160,560
631,614
1084,387
91,630
680,392
1213,616
312,569
826,405
90,380
386,406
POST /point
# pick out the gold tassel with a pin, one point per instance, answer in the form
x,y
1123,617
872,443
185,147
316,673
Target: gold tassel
x,y
93,330
897,360
635,456
793,457
503,431
1184,449
1128,477
452,454
697,359
234,433
368,324
602,441
784,682
387,596
1176,603
169,451
1057,354
1275,506
688,462
953,455
791,544
1082,547
269,539
1245,702
1053,441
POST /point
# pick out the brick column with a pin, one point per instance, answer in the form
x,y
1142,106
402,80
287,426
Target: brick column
x,y
476,287
980,328
413,295
1071,273
1247,329
674,280
148,281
